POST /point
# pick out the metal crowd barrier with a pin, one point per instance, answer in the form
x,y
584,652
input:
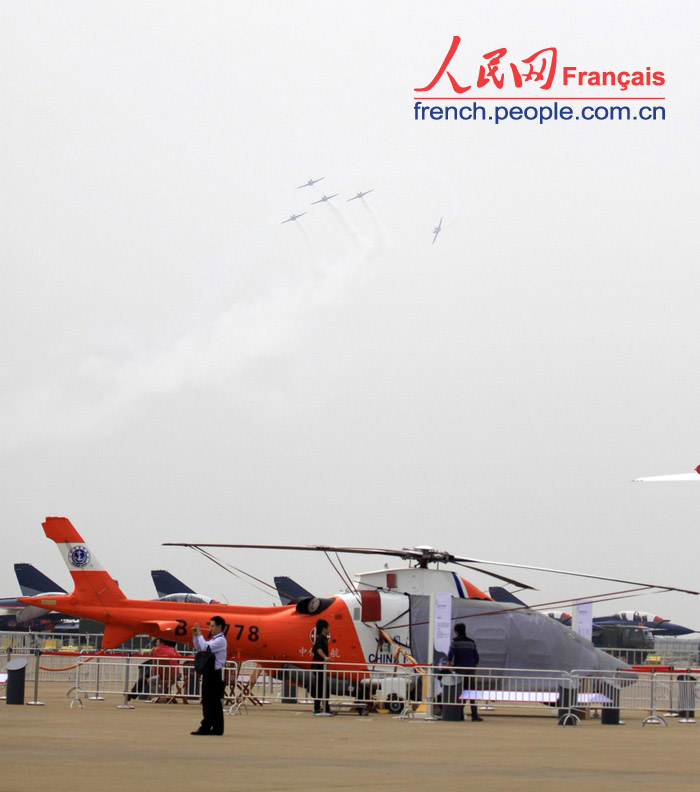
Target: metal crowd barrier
x,y
130,676
421,691
666,652
51,641
405,690
672,693
409,691
673,653
271,681
86,643
154,679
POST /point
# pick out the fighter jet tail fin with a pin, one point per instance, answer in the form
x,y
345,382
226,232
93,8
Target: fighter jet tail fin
x,y
499,594
166,583
32,581
290,591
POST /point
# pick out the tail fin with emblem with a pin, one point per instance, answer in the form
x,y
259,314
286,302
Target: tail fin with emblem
x,y
93,585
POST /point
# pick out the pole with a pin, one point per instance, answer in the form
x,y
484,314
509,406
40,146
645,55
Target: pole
x,y
326,702
431,651
9,657
76,690
35,702
654,718
126,704
97,696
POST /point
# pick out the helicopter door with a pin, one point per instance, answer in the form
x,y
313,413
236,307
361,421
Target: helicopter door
x,y
371,605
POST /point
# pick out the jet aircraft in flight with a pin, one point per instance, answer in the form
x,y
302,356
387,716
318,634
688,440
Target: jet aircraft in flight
x,y
324,198
361,194
694,476
311,182
292,218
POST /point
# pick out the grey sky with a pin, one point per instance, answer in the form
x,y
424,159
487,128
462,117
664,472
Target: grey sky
x,y
177,365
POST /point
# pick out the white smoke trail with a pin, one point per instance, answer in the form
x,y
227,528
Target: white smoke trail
x,y
311,267
349,230
96,393
379,239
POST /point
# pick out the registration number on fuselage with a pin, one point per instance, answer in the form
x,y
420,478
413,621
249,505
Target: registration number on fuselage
x,y
239,632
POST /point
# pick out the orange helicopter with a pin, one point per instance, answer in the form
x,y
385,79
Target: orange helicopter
x,y
380,605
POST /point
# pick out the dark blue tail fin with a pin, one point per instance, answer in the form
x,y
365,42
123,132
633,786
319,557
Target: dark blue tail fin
x,y
167,583
499,594
32,582
289,591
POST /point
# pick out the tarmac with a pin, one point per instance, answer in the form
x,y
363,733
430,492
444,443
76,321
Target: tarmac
x,y
278,747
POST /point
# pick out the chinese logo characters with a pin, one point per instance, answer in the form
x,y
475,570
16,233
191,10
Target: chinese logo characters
x,y
537,68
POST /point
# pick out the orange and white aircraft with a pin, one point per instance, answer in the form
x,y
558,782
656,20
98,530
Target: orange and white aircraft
x,y
382,603
253,633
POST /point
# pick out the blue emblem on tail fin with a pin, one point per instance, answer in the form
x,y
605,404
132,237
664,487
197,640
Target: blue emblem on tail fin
x,y
79,556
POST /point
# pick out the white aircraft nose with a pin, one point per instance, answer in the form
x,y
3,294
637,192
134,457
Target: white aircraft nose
x,y
676,477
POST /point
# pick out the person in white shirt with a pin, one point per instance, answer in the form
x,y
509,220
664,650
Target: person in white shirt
x,y
212,682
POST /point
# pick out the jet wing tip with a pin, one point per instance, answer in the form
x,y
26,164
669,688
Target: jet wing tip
x,y
674,478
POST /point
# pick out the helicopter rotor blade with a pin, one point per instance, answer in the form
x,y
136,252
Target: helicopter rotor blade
x,y
431,555
496,575
575,574
406,553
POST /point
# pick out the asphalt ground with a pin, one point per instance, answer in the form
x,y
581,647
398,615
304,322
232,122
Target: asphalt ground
x,y
99,747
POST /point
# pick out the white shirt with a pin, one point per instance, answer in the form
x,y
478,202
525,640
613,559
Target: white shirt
x,y
217,646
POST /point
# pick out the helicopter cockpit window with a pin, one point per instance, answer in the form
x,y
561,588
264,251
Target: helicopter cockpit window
x,y
197,598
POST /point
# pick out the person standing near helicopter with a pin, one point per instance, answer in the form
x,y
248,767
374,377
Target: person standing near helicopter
x,y
319,680
212,682
463,654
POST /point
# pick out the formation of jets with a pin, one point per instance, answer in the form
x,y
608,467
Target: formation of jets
x,y
325,198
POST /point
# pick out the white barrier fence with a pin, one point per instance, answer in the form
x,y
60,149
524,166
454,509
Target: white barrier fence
x,y
86,643
94,677
411,691
666,652
681,654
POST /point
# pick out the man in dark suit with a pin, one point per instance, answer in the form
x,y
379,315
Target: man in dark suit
x,y
464,655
